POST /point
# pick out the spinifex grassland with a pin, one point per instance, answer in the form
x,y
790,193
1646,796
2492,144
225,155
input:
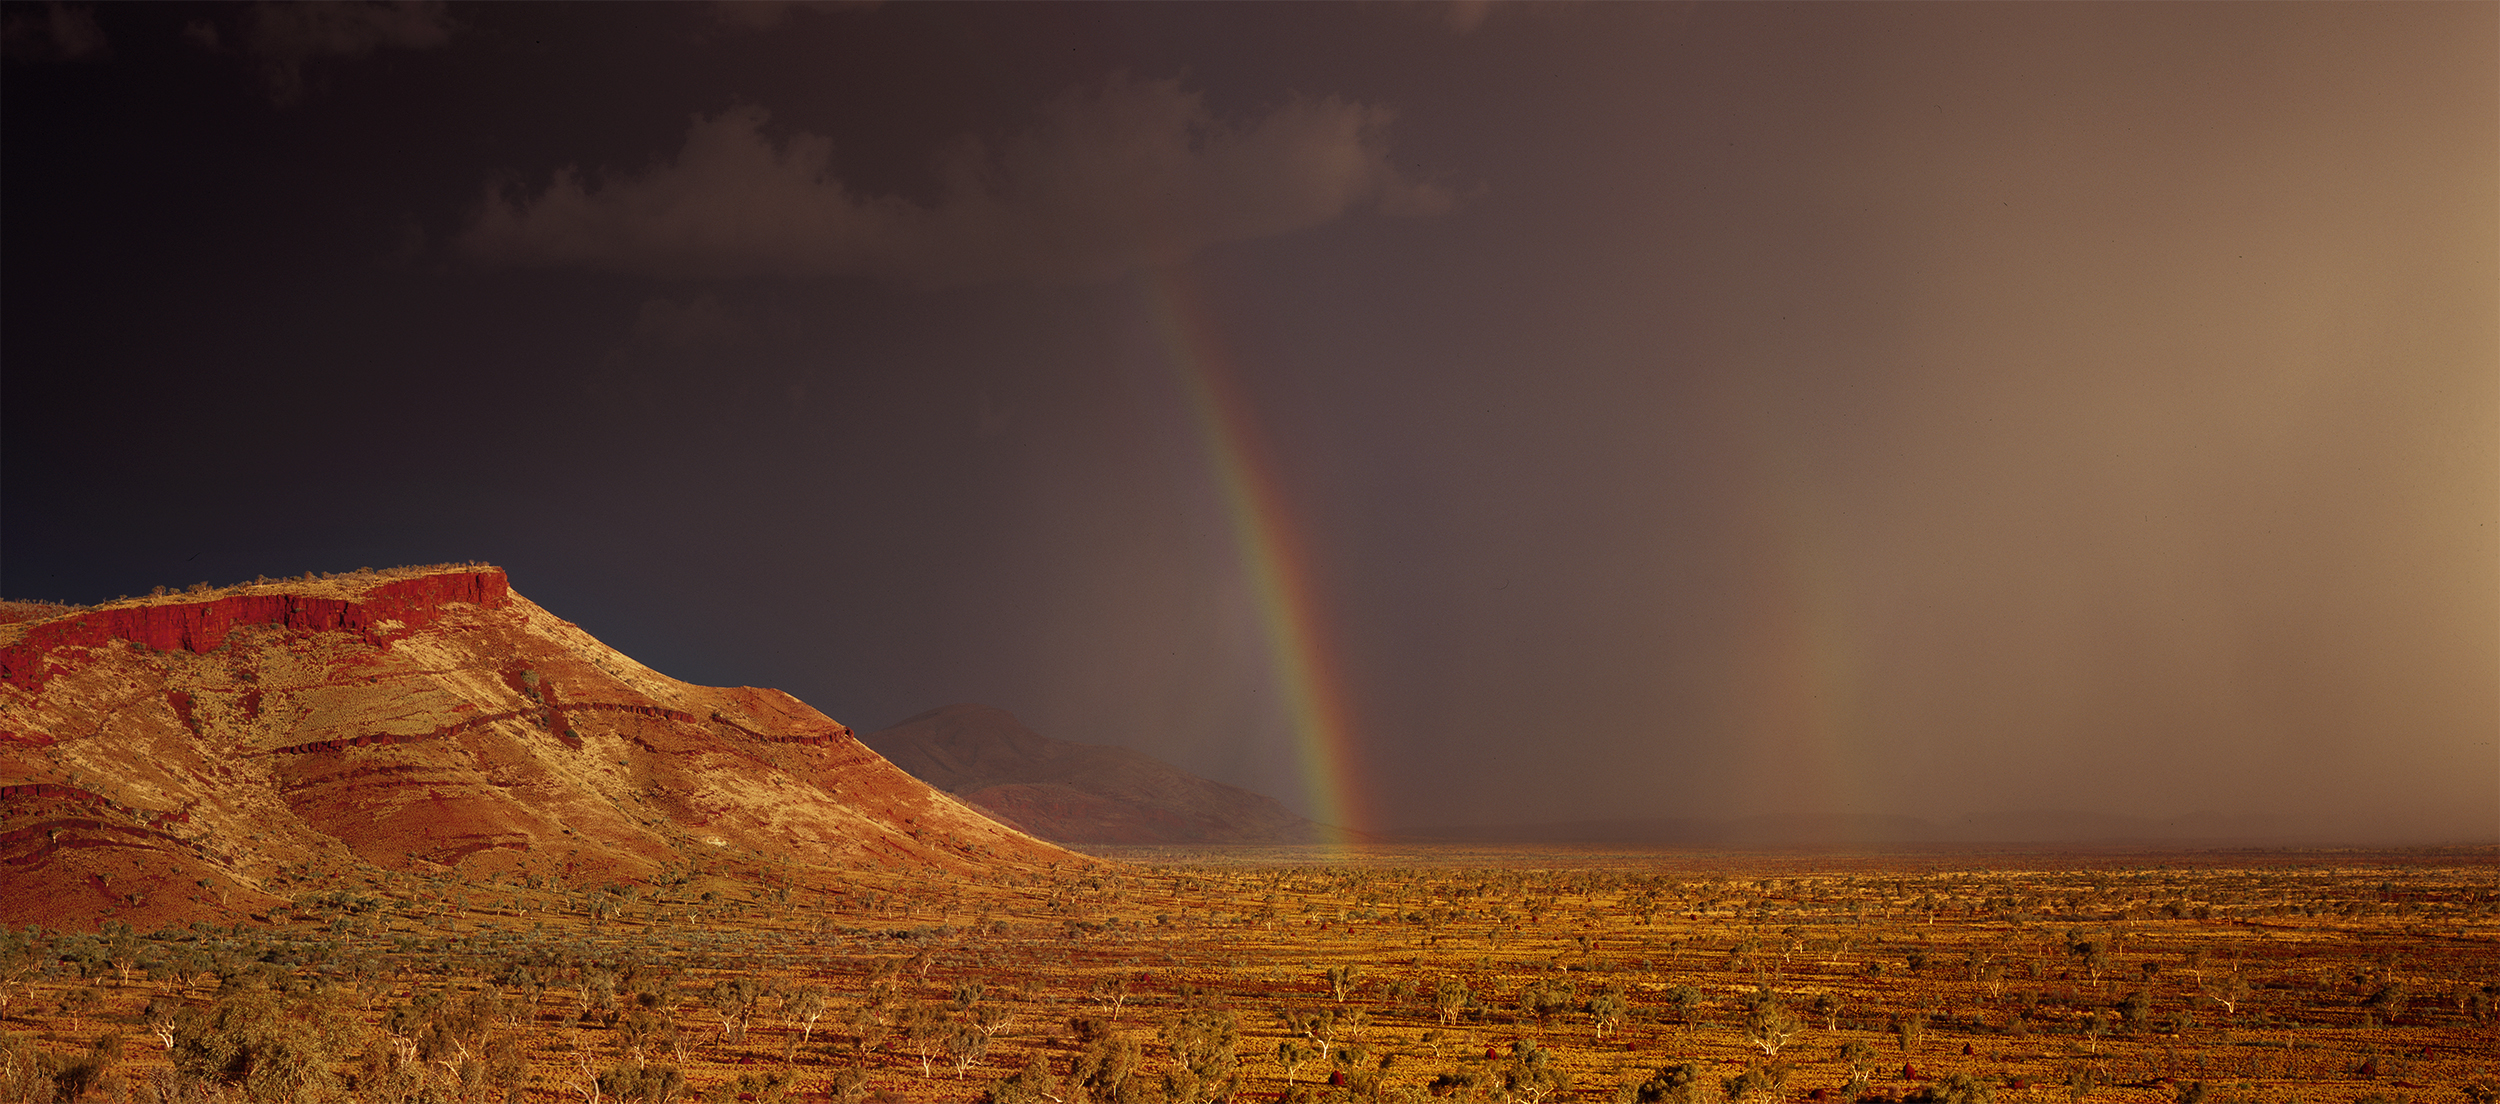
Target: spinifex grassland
x,y
1486,976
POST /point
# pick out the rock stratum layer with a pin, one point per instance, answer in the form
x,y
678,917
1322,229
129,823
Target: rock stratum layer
x,y
163,760
1081,793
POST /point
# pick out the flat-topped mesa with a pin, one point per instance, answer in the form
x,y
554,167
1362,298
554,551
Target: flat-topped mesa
x,y
380,613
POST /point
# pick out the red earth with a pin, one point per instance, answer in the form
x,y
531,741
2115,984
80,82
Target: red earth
x,y
179,758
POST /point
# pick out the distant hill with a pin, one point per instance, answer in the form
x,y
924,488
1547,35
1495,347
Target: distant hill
x,y
205,756
1079,793
2044,827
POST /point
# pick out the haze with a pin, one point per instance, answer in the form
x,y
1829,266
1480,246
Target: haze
x,y
1616,410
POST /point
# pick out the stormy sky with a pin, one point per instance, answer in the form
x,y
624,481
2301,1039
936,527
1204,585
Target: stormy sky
x,y
1656,410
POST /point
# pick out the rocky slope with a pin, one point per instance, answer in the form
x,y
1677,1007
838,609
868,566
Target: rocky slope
x,y
1079,793
165,759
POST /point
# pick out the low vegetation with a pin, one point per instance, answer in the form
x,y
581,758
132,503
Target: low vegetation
x,y
341,584
1519,978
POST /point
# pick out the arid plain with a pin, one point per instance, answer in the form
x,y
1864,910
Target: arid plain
x,y
1497,976
404,836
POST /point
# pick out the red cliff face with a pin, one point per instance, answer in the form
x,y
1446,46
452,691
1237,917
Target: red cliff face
x,y
385,612
179,760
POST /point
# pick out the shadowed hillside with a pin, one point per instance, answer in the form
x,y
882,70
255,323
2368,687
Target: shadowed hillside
x,y
1079,793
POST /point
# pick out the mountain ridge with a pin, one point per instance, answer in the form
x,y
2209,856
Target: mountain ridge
x,y
177,757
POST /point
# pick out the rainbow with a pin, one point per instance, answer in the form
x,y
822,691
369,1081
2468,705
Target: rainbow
x,y
1273,557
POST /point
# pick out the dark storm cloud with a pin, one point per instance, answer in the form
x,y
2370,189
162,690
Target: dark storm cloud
x,y
765,15
1893,408
56,32
683,324
1130,174
287,37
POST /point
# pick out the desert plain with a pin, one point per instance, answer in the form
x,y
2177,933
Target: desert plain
x,y
1380,974
407,837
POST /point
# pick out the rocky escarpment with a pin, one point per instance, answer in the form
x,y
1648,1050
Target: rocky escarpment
x,y
1081,793
385,612
182,757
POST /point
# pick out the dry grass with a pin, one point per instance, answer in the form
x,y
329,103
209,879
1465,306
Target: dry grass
x,y
2264,977
316,584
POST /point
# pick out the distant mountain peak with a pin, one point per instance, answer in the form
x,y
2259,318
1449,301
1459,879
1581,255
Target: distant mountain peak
x,y
1080,793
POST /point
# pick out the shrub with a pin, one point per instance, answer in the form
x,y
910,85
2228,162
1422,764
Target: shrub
x,y
763,1088
26,1070
273,1050
1204,1044
636,1083
1954,1088
1764,1080
1034,1084
1677,1084
96,1071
